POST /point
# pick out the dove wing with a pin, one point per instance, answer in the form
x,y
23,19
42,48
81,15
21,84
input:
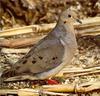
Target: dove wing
x,y
47,54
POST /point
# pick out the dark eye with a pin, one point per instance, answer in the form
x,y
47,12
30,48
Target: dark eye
x,y
64,22
69,15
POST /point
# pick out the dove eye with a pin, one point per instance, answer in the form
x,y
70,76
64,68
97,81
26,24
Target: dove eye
x,y
64,22
69,15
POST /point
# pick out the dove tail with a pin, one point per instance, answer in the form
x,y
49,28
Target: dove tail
x,y
4,75
8,73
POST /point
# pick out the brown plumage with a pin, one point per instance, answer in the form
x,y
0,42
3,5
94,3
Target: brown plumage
x,y
49,55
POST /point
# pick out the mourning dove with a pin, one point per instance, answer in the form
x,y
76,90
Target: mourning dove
x,y
50,54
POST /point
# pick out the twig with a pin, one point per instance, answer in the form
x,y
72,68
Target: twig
x,y
21,42
91,25
54,89
78,72
21,92
9,50
27,29
8,91
83,88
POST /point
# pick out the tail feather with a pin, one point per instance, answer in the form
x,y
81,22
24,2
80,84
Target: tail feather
x,y
8,73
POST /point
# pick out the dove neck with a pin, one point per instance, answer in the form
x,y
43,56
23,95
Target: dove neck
x,y
67,32
66,28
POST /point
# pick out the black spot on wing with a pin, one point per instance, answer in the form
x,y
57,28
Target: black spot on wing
x,y
54,58
24,61
34,61
40,57
69,15
64,22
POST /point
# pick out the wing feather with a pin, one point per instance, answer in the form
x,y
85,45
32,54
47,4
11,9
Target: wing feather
x,y
45,55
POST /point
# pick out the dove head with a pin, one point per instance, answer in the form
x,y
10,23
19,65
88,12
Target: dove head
x,y
69,16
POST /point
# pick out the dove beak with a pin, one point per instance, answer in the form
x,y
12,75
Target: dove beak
x,y
79,21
